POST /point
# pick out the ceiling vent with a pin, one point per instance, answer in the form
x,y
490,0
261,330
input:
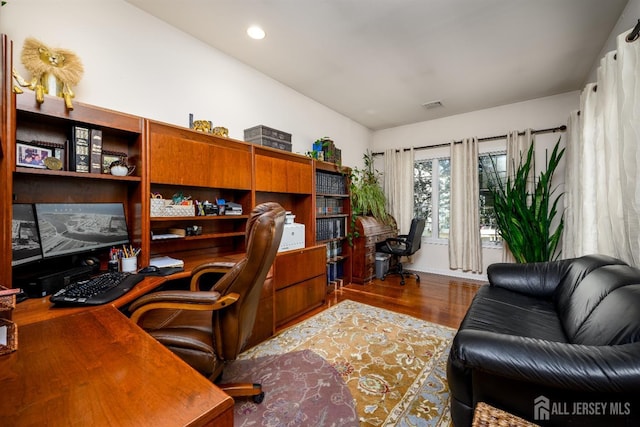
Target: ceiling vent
x,y
433,104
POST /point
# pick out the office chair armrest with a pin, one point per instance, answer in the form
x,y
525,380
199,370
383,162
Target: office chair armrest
x,y
181,300
202,269
395,239
399,246
229,271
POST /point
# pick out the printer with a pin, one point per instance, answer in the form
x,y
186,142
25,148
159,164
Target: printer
x,y
292,235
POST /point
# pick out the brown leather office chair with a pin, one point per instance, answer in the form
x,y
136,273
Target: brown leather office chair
x,y
207,328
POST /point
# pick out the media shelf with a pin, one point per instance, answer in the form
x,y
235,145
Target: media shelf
x,y
332,219
79,175
199,218
204,168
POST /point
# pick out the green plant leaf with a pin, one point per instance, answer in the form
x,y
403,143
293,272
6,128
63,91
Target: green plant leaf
x,y
525,219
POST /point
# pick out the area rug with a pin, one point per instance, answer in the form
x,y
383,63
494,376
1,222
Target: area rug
x,y
393,364
301,389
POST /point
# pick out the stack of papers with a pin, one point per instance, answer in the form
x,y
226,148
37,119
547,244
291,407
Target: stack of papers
x,y
166,261
165,236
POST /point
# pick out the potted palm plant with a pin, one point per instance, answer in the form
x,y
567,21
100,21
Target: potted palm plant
x,y
525,219
367,197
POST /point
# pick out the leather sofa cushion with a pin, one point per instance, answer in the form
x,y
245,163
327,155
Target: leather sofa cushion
x,y
615,320
597,311
503,311
578,269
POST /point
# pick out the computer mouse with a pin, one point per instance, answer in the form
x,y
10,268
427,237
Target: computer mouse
x,y
149,269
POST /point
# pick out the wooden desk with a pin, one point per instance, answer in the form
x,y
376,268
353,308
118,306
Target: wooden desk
x,y
95,367
39,309
369,231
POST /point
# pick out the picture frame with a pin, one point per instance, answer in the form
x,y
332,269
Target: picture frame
x,y
109,157
31,156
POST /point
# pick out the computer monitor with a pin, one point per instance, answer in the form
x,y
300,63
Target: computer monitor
x,y
25,241
73,228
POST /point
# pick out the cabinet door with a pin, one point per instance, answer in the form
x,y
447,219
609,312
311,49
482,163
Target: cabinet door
x,y
296,266
300,282
282,175
299,298
230,168
180,161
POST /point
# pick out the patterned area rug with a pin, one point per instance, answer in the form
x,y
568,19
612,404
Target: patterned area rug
x,y
301,389
393,364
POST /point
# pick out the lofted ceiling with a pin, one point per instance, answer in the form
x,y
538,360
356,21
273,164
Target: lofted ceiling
x,y
379,61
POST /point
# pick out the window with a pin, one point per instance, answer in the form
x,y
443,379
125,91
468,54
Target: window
x,y
432,201
488,166
426,196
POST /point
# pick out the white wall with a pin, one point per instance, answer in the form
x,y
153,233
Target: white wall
x,y
137,64
626,21
536,114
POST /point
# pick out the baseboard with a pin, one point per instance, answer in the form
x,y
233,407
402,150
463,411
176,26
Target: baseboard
x,y
455,273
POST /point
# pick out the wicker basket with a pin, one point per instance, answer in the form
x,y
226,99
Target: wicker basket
x,y
488,416
7,302
164,208
12,336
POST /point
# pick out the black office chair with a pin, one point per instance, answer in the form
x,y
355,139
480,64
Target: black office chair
x,y
403,245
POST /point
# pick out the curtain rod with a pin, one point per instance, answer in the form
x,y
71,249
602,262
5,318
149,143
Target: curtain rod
x,y
488,138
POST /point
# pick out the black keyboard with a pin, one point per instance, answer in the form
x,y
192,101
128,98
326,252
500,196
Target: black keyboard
x,y
98,290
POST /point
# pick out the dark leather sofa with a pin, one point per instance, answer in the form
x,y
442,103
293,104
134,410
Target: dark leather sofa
x,y
556,343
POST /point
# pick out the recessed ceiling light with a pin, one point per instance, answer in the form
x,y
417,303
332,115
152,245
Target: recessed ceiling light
x,y
255,32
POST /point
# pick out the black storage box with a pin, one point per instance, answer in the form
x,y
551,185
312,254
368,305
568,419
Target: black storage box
x,y
271,142
255,133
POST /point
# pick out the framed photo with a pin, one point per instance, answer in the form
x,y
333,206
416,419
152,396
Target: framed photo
x,y
31,155
110,157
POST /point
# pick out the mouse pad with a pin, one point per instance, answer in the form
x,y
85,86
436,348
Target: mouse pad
x,y
165,271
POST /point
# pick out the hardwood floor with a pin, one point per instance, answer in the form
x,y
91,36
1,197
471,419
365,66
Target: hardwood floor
x,y
438,299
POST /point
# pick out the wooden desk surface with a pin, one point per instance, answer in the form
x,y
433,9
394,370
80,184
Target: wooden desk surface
x,y
38,309
95,367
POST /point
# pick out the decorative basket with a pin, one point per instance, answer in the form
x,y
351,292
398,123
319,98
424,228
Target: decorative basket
x,y
8,329
164,208
11,333
7,302
487,416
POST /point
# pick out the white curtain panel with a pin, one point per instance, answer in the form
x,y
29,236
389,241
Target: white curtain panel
x,y
398,186
465,247
517,149
571,243
602,197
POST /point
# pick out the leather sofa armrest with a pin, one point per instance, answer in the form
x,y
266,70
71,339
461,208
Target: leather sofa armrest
x,y
538,279
550,364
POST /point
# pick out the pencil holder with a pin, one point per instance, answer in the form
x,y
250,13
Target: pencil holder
x,y
129,265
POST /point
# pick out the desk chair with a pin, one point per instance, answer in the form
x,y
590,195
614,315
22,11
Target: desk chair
x,y
207,328
403,245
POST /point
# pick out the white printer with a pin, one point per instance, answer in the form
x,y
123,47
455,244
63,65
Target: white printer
x,y
292,235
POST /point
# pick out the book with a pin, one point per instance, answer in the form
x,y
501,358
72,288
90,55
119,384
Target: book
x,y
96,151
79,149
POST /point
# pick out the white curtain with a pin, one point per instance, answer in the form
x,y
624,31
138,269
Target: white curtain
x,y
517,148
465,247
602,185
398,186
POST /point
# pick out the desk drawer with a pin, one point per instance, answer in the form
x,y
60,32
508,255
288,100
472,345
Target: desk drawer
x,y
299,265
300,298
